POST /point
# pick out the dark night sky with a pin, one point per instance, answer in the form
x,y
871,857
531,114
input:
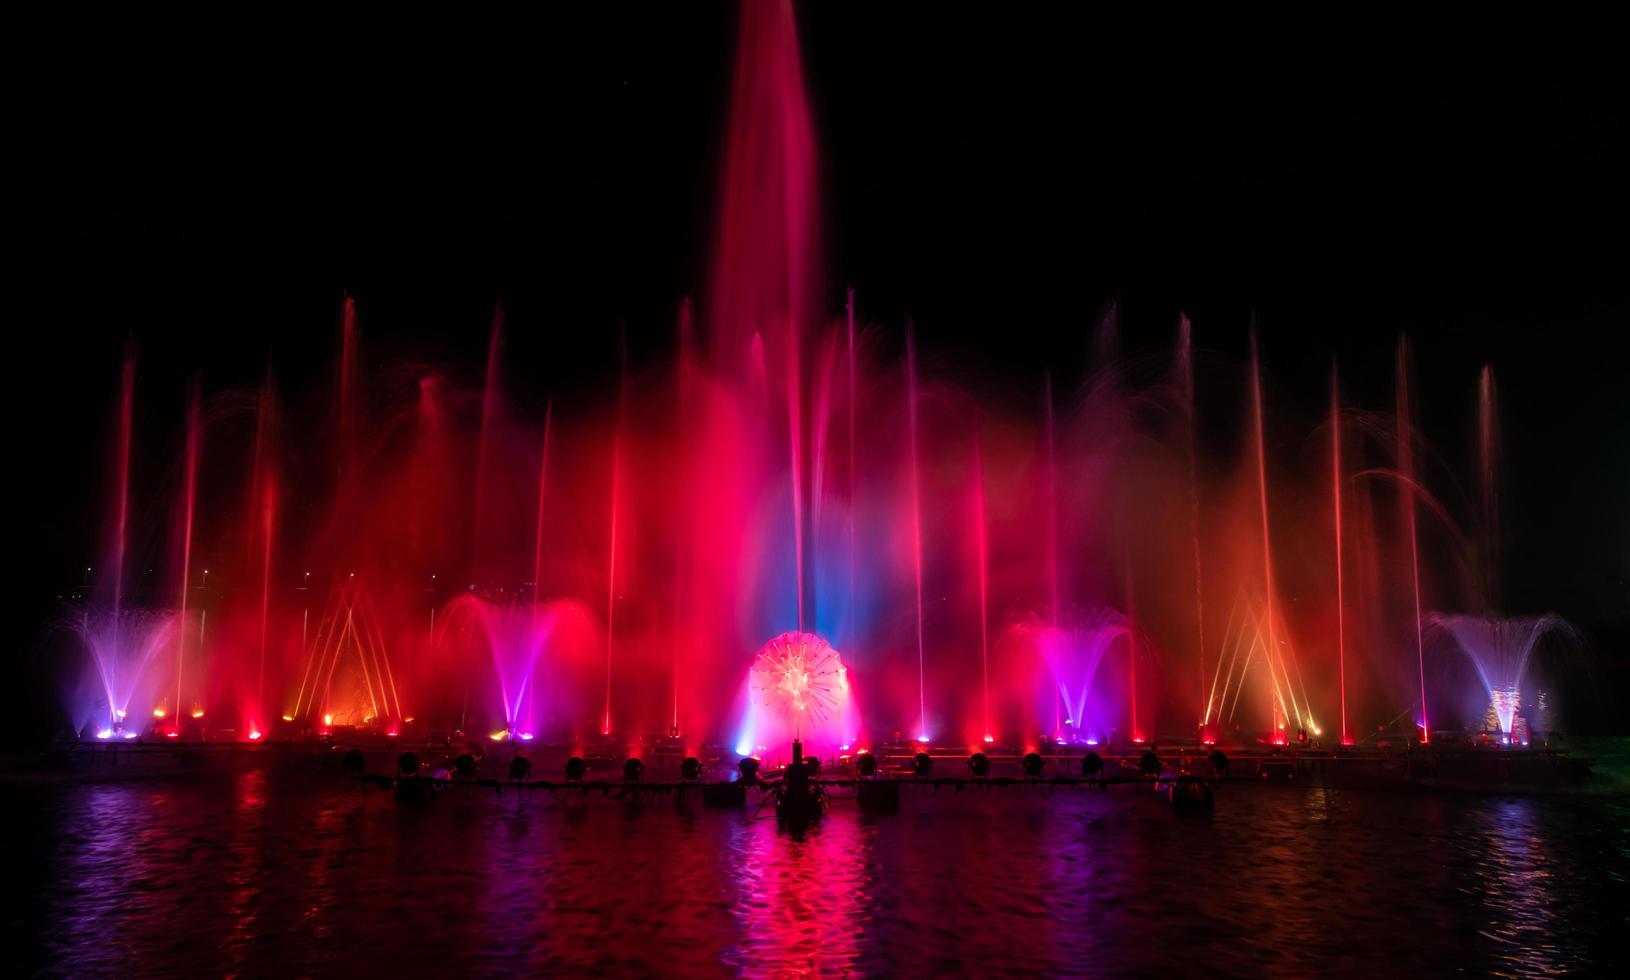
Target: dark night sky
x,y
995,179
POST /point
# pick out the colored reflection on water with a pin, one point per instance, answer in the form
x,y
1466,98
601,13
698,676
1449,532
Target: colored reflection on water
x,y
294,873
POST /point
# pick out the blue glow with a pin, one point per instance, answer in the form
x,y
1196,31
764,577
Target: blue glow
x,y
747,732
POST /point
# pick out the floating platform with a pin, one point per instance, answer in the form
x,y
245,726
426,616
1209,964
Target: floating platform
x,y
1458,768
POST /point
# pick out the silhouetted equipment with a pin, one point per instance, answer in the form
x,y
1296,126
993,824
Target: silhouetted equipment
x,y
732,794
879,796
464,766
519,768
1032,764
1091,764
797,800
415,789
1219,763
922,764
979,764
748,767
691,769
410,786
633,769
866,765
1284,769
353,763
576,769
1149,764
1191,793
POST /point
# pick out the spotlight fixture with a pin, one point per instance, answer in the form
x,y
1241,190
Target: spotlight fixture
x,y
464,766
1092,764
407,764
353,762
519,767
979,764
922,763
633,769
576,768
866,764
1032,764
691,769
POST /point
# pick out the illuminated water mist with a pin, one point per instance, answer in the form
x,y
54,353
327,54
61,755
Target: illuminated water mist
x,y
422,548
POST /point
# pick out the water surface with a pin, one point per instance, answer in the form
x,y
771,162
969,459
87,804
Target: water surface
x,y
291,873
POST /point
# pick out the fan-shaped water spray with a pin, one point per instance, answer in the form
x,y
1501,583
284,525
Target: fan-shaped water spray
x,y
1500,650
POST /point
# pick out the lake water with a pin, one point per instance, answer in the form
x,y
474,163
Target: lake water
x,y
274,872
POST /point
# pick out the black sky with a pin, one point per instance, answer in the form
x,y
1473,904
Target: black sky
x,y
996,173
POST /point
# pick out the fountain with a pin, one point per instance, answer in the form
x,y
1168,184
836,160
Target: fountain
x,y
1500,650
671,557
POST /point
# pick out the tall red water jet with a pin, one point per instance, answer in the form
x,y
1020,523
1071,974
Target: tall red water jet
x,y
1267,549
489,423
685,542
984,579
1406,469
189,492
1051,449
916,530
1335,504
1185,377
795,449
1488,452
263,523
537,541
1132,632
543,497
854,470
268,524
761,293
766,248
611,545
121,520
349,393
